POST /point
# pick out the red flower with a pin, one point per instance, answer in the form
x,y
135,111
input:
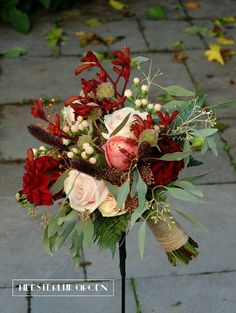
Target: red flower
x,y
40,174
165,172
37,110
166,120
140,125
83,67
55,129
122,60
90,57
91,61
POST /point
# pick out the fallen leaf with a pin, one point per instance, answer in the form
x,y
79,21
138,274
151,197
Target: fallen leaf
x,y
55,37
192,5
95,39
178,45
232,82
14,53
157,13
214,54
197,30
229,20
93,22
179,57
225,41
117,5
227,53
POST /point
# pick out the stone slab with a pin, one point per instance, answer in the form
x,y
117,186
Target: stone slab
x,y
12,304
214,80
216,253
219,168
85,304
11,179
21,250
15,140
212,9
182,294
127,30
35,77
229,135
161,35
35,41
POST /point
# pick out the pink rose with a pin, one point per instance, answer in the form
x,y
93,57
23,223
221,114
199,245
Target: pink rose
x,y
120,151
113,120
84,192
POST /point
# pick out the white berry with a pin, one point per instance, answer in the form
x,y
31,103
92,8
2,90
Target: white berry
x,y
70,154
144,101
65,141
42,148
138,102
136,80
80,118
85,145
92,160
74,128
66,129
150,106
157,107
89,150
128,93
84,155
144,88
85,124
75,150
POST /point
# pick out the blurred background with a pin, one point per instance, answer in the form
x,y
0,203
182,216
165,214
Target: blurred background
x,y
193,44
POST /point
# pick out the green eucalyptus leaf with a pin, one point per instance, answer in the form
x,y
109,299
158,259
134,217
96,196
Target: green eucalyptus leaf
x,y
138,212
175,156
120,126
142,190
133,190
112,189
140,59
178,91
62,238
192,220
53,226
141,239
173,104
123,193
194,177
88,233
59,184
181,194
69,217
212,144
204,132
189,187
225,105
46,242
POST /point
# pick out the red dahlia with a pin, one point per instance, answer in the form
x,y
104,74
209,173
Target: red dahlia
x,y
40,174
165,172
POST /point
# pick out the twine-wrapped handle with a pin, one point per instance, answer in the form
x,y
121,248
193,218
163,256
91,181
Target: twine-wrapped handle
x,y
170,238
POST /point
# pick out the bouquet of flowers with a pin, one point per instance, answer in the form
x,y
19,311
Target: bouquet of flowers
x,y
112,157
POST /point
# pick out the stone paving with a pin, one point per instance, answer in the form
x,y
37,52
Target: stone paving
x,y
208,284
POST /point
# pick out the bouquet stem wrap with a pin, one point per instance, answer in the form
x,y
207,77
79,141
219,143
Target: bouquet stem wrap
x,y
178,246
170,238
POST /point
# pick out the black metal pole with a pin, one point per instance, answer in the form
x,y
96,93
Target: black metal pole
x,y
122,254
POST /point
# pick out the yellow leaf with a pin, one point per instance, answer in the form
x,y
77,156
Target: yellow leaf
x,y
117,5
93,22
226,41
192,5
214,54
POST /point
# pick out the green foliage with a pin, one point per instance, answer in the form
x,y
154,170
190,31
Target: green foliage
x,y
157,13
14,53
178,91
59,184
192,220
194,162
108,230
17,12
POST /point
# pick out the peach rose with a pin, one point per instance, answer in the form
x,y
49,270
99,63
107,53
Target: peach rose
x,y
112,121
120,151
108,207
84,192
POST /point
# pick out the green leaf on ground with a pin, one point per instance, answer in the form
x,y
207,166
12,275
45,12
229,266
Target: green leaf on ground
x,y
55,37
14,53
157,13
118,5
197,30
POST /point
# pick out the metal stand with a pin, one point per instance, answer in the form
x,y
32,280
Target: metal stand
x,y
122,255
